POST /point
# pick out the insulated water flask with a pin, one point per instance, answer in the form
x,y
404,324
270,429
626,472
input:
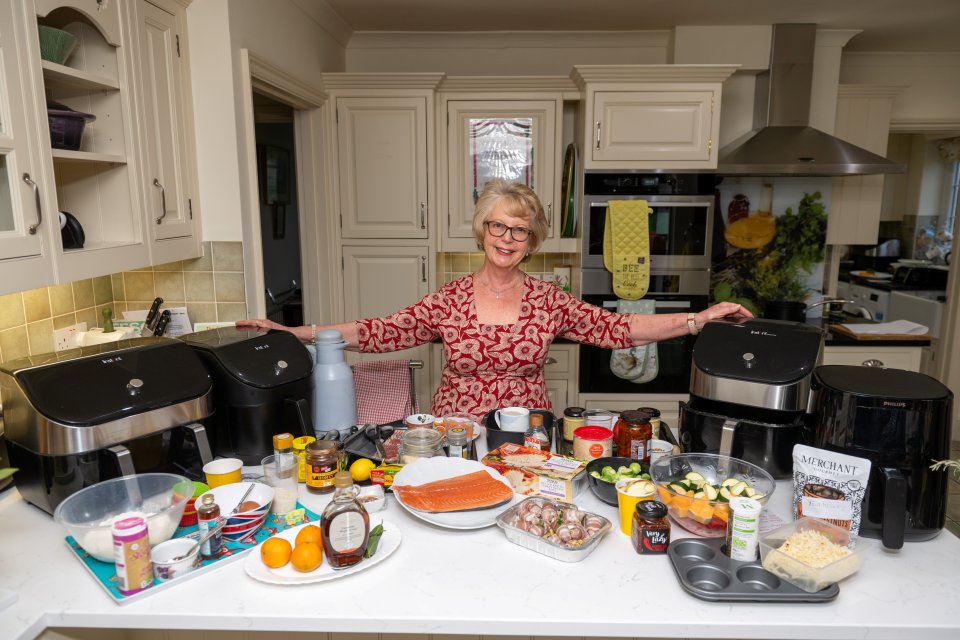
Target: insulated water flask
x,y
334,399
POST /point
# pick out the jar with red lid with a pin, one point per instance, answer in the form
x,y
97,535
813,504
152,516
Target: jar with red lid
x,y
592,442
634,433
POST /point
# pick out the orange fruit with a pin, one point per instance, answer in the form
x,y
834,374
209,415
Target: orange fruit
x,y
307,556
310,533
275,552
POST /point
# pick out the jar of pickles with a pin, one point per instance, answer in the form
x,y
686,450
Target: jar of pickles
x,y
420,443
633,435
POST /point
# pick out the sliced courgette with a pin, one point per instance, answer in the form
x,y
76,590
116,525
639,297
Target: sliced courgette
x,y
739,488
749,492
678,488
728,482
710,492
725,494
695,478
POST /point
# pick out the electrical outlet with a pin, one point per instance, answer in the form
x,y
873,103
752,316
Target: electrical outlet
x,y
66,338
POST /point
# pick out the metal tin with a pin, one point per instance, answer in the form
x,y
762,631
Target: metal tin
x,y
546,547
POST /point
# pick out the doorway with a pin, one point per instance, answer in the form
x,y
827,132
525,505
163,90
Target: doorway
x,y
279,214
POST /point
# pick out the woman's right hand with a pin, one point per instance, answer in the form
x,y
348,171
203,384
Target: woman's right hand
x,y
260,325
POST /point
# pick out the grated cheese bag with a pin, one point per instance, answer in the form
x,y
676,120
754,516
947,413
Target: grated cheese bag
x,y
829,486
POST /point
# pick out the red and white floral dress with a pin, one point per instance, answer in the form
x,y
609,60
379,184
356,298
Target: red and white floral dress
x,y
493,366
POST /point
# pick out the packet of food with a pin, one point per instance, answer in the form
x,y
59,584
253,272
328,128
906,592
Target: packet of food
x,y
829,486
383,474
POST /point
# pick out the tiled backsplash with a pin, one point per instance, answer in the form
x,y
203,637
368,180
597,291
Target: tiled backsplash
x,y
451,266
210,287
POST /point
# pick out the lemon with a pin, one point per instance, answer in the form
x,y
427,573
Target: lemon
x,y
360,469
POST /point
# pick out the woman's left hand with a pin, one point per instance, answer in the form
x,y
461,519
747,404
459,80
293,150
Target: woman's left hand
x,y
722,311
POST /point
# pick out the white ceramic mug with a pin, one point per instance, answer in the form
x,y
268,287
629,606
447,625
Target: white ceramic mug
x,y
512,418
658,449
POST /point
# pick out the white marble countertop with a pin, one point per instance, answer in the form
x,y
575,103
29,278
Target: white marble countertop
x,y
503,589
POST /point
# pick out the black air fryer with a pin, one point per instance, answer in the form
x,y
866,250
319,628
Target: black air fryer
x,y
262,386
900,421
77,417
749,388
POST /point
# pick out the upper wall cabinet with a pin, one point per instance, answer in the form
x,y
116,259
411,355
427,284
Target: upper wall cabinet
x,y
382,144
651,117
25,251
167,176
497,133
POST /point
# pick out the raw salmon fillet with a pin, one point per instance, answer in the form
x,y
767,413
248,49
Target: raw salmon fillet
x,y
471,491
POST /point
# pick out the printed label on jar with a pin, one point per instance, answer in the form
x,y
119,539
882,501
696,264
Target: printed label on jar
x,y
347,532
637,449
596,450
321,476
654,541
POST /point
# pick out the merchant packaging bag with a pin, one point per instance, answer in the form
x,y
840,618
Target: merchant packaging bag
x,y
829,486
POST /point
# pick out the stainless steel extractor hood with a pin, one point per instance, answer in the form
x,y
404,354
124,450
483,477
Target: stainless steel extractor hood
x,y
782,143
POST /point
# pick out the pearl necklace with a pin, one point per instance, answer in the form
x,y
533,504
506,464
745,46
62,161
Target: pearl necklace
x,y
496,292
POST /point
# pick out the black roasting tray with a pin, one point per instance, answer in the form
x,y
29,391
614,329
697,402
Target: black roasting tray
x,y
705,572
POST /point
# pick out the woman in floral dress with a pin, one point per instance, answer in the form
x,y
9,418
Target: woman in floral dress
x,y
497,324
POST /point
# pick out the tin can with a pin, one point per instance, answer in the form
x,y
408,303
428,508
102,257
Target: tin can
x,y
743,529
299,450
131,552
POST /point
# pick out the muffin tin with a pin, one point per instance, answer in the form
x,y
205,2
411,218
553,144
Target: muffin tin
x,y
707,573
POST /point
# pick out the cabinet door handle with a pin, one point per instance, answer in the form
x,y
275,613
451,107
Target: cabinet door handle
x,y
163,200
549,215
32,230
549,361
873,362
598,135
423,215
423,268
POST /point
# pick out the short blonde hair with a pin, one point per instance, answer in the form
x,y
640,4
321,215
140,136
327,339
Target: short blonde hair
x,y
519,201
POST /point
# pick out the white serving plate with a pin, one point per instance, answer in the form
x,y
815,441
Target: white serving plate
x,y
441,468
287,575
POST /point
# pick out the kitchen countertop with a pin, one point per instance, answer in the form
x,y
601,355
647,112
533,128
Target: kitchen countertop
x,y
833,339
503,589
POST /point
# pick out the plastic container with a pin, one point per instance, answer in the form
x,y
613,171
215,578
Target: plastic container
x,y
707,518
66,126
88,514
592,442
508,522
801,574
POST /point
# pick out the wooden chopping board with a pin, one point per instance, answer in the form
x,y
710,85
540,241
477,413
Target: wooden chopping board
x,y
843,330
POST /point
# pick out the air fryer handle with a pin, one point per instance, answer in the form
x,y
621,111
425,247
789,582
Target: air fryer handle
x,y
302,410
894,508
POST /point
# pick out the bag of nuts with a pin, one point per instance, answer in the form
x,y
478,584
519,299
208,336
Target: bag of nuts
x,y
829,486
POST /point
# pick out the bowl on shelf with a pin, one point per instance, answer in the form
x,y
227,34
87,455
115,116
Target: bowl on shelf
x,y
56,45
66,125
88,514
698,511
607,491
251,517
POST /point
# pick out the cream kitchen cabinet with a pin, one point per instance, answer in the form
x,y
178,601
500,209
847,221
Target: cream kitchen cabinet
x,y
168,176
385,156
25,245
560,376
907,358
379,280
517,138
650,117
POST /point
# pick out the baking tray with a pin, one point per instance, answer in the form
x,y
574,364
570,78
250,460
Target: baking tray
x,y
360,446
705,572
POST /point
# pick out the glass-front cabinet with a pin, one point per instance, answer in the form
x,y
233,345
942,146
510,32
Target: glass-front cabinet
x,y
514,139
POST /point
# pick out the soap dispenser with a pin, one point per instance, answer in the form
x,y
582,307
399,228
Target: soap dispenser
x,y
334,398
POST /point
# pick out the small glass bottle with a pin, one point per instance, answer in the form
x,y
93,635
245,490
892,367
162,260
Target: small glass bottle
x,y
536,436
651,529
344,525
300,452
573,419
633,434
322,465
283,452
458,445
208,515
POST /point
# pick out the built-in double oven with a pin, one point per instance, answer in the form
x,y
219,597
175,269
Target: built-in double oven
x,y
681,233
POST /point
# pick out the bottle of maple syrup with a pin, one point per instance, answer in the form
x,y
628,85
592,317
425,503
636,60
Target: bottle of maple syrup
x,y
344,525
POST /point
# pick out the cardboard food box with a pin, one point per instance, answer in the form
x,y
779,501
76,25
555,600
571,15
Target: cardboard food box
x,y
538,473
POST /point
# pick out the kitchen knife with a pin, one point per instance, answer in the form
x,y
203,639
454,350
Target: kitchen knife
x,y
150,322
162,322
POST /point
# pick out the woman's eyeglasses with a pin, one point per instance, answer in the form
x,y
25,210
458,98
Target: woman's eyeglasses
x,y
498,229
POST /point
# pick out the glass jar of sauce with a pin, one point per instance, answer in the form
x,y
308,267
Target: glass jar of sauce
x,y
572,420
322,462
592,442
633,432
651,529
654,414
420,443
